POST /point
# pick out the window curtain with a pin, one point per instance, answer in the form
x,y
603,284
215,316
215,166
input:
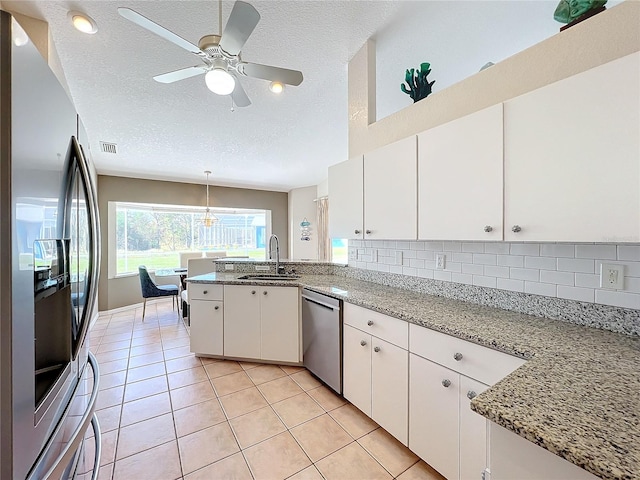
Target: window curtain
x,y
324,242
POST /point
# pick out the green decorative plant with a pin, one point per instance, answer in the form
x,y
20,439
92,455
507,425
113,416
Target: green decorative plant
x,y
569,10
419,85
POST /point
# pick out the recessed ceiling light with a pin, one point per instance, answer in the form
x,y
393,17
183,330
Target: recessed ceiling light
x,y
276,87
18,34
83,22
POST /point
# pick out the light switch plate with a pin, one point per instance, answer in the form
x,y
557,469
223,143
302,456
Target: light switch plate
x,y
228,266
612,276
441,261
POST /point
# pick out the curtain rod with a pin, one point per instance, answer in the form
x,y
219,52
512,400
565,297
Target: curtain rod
x,y
320,198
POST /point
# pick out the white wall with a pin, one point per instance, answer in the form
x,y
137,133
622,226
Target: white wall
x,y
301,206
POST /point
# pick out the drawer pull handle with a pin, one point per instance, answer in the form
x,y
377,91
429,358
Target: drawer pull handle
x,y
446,383
264,293
370,323
205,292
457,357
216,307
376,349
516,228
471,394
363,343
253,292
488,228
368,232
356,231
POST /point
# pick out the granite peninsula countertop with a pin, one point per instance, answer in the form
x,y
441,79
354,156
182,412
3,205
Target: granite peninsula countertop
x,y
578,396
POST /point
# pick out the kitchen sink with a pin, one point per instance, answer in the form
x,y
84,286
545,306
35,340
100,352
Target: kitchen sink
x,y
269,277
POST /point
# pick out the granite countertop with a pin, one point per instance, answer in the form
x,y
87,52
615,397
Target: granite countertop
x,y
578,396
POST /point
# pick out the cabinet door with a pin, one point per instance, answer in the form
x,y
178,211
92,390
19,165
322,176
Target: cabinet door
x,y
280,324
389,388
241,321
473,432
206,327
346,199
356,376
390,191
433,415
460,178
572,158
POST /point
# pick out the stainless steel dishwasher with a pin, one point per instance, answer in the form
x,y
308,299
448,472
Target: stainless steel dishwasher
x,y
322,337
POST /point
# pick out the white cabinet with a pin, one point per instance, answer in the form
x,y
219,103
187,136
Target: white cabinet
x,y
572,158
473,431
460,178
390,191
206,313
262,323
375,370
346,199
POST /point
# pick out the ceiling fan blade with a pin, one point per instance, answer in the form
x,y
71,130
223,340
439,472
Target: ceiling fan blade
x,y
181,74
159,30
242,20
267,72
239,96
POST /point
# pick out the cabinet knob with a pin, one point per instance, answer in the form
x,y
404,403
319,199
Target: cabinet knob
x,y
205,292
376,349
264,293
357,232
368,232
446,383
516,229
253,292
488,228
370,323
217,307
471,394
363,343
457,357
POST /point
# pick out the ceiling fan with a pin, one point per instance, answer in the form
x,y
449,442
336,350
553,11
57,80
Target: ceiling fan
x,y
220,54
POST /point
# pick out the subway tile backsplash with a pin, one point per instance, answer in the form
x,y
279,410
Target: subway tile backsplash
x,y
560,270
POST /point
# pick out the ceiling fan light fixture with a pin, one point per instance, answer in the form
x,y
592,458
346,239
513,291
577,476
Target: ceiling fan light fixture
x,y
220,81
83,22
276,87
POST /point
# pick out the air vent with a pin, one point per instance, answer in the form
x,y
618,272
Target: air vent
x,y
106,147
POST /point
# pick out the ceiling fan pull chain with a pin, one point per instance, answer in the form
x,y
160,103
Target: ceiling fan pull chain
x,y
232,109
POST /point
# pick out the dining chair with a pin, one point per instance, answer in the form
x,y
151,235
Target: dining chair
x,y
151,290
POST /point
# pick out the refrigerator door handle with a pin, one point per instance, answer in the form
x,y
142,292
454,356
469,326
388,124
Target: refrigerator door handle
x,y
98,450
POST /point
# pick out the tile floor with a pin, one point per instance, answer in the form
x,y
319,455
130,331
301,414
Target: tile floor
x,y
167,414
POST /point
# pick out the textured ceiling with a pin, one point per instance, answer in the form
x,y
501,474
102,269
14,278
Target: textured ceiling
x,y
176,131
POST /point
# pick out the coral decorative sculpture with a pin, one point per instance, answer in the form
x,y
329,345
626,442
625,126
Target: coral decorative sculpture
x,y
569,10
419,86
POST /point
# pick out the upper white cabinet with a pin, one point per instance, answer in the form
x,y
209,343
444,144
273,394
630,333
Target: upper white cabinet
x,y
390,191
346,199
572,158
460,178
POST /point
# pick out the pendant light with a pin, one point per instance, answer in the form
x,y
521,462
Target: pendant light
x,y
209,218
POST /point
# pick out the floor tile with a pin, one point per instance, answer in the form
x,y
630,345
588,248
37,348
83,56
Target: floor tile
x,y
421,471
249,365
309,473
145,388
146,349
278,457
320,437
182,363
110,380
256,426
206,446
114,366
147,371
109,347
192,394
279,389
305,380
225,367
105,472
265,373
326,398
111,356
109,397
351,461
177,352
231,383
146,359
208,360
144,435
388,451
158,463
230,468
353,420
145,340
175,342
295,410
290,370
187,377
145,408
109,418
198,417
242,402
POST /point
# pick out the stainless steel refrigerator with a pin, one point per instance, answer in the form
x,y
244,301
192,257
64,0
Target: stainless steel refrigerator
x,y
49,252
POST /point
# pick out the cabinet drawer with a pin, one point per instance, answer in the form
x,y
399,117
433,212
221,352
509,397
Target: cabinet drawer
x,y
202,291
475,361
377,324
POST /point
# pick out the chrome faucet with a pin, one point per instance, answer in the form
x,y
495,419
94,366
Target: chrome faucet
x,y
274,236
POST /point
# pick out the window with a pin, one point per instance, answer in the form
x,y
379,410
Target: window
x,y
154,235
340,250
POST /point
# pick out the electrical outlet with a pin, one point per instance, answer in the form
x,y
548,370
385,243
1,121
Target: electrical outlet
x,y
612,276
262,268
441,261
228,266
353,254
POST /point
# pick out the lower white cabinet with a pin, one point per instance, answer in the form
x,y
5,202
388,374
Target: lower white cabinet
x,y
262,322
376,371
206,315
